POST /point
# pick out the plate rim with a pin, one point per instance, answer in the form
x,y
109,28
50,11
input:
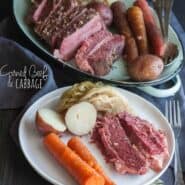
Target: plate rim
x,y
116,82
53,180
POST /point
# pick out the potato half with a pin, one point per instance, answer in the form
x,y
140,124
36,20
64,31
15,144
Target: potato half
x,y
48,120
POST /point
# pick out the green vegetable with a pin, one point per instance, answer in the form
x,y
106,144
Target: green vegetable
x,y
158,182
75,93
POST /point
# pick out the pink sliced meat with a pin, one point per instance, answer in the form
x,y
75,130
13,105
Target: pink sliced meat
x,y
102,59
66,21
153,31
71,43
117,147
42,10
151,142
91,44
52,23
98,52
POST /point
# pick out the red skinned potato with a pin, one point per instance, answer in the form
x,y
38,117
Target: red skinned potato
x,y
104,11
146,68
49,121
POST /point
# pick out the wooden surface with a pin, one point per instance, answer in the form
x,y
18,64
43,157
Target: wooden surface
x,y
14,169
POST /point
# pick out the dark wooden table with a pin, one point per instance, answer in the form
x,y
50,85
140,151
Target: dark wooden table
x,y
14,169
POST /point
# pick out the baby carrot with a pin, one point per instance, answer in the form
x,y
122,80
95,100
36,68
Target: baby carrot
x,y
79,169
78,147
131,50
153,31
147,13
120,18
136,21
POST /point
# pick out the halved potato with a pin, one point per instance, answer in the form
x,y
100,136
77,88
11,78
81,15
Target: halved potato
x,y
48,120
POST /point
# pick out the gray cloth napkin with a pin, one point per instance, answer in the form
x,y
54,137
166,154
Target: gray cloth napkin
x,y
10,97
22,75
23,78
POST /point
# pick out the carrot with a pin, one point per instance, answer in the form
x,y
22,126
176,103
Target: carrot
x,y
79,169
147,13
131,50
77,146
136,21
154,33
156,40
120,19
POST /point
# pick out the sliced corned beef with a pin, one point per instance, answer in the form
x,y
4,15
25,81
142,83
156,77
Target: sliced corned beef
x,y
42,11
91,44
98,53
79,32
65,23
117,147
151,142
45,29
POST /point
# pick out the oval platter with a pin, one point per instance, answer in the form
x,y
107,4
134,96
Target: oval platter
x,y
45,165
118,75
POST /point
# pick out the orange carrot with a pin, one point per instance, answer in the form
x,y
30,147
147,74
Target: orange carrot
x,y
77,146
131,50
79,169
136,21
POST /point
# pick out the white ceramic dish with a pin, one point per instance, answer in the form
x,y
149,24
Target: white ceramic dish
x,y
47,167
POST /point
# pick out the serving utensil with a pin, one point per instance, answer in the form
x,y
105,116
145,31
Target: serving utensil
x,y
163,9
172,112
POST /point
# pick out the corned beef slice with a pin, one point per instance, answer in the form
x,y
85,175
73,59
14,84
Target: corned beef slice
x,y
89,24
52,24
151,142
70,17
117,147
102,59
89,46
42,10
67,26
98,52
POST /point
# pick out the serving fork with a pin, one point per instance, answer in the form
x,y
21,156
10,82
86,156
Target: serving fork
x,y
172,112
163,9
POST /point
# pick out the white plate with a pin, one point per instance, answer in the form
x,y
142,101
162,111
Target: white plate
x,y
47,167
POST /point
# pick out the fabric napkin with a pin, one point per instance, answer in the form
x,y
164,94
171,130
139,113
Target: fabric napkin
x,y
23,78
12,97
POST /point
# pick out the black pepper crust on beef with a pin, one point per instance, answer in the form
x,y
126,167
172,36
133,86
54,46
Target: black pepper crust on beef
x,y
52,23
75,20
